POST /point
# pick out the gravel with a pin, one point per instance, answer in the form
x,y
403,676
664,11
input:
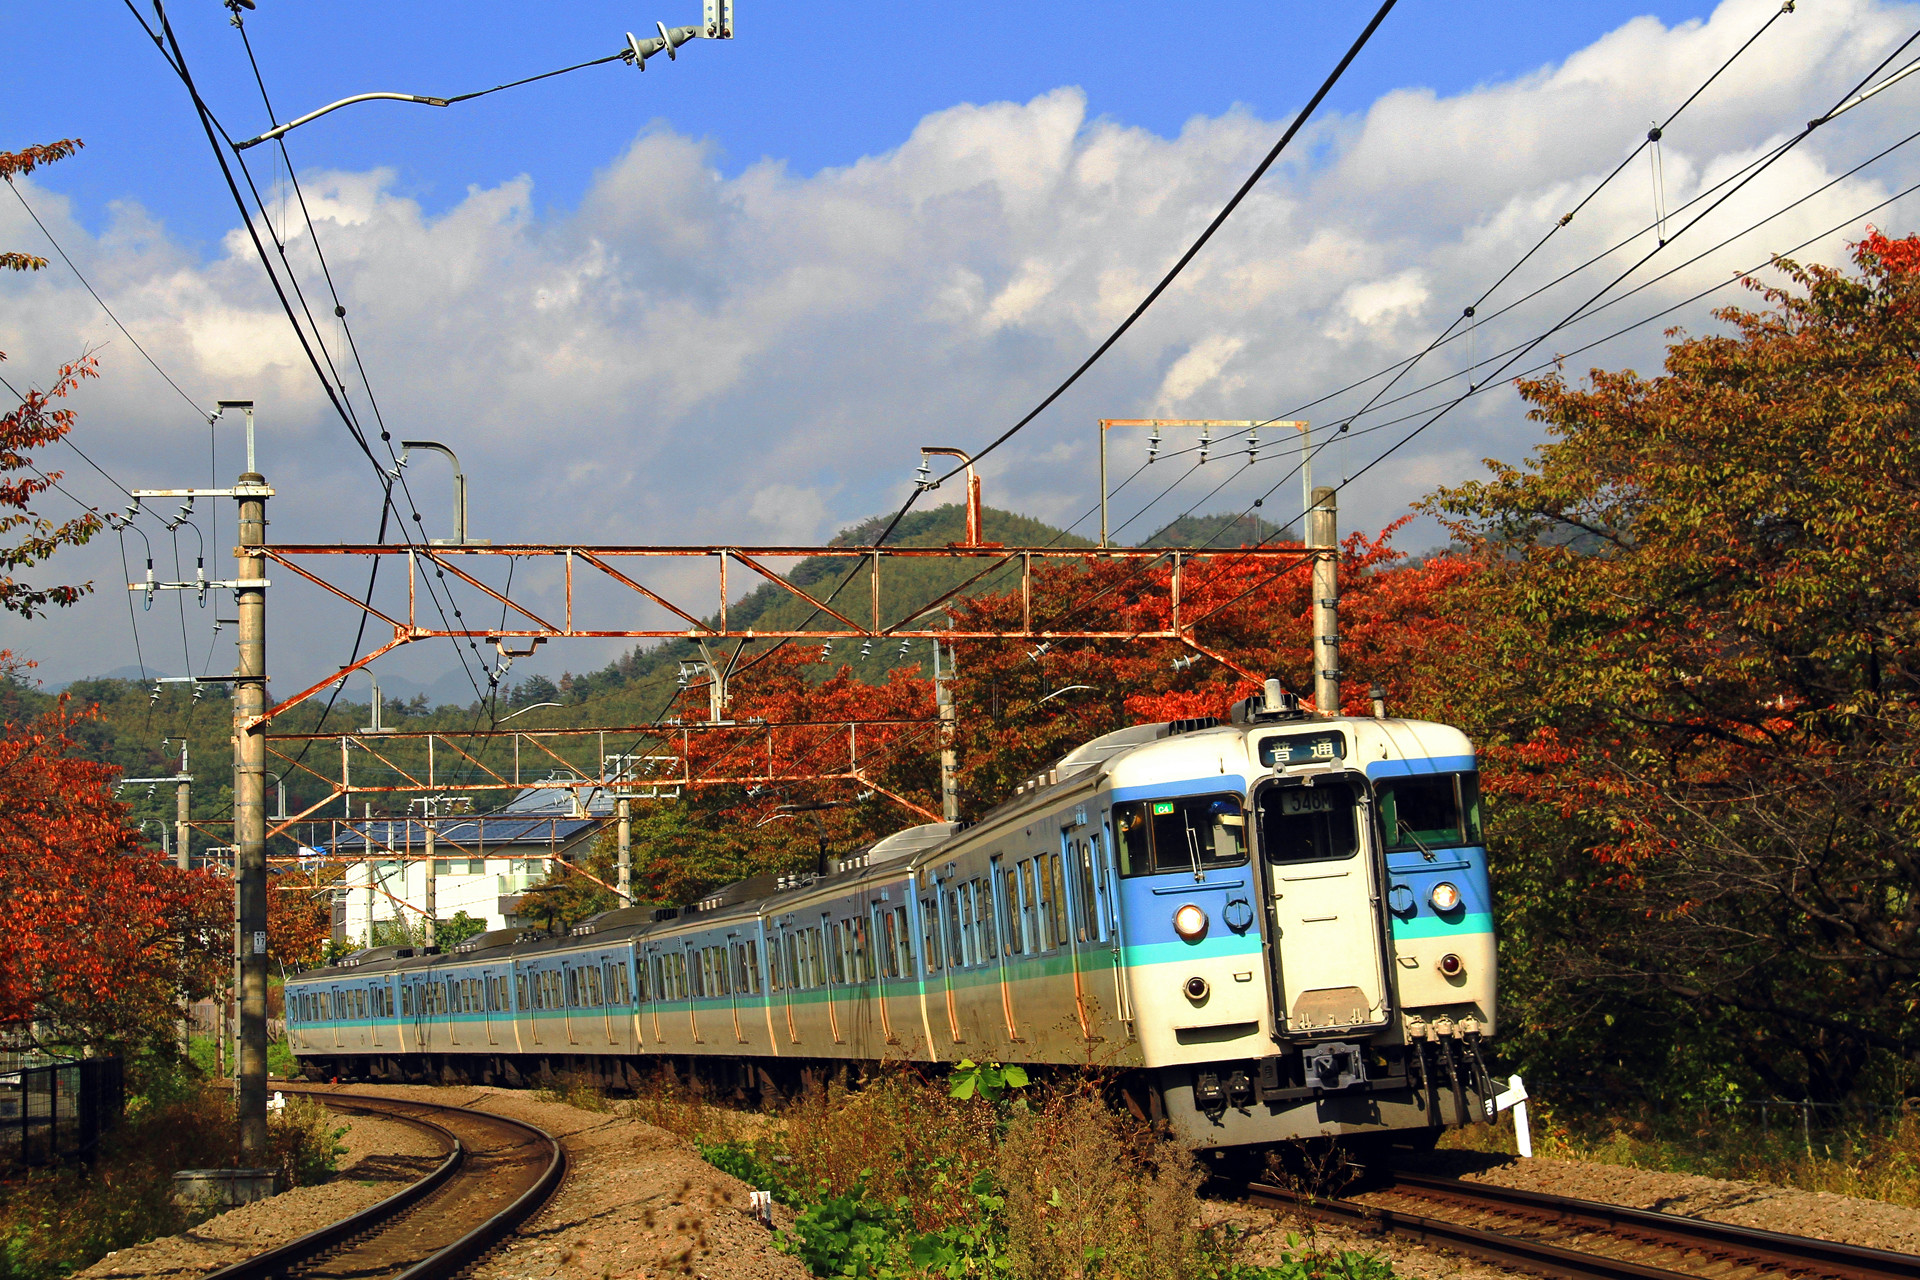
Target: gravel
x,y
382,1156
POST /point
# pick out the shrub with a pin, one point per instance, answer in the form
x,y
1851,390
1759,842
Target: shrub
x,y
303,1139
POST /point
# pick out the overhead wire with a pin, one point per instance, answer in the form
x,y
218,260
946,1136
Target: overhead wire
x,y
1586,308
88,285
1193,250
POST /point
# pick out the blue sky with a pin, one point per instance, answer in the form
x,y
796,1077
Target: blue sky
x,y
810,85
728,299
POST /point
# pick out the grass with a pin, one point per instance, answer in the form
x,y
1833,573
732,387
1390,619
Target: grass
x,y
280,1059
1876,1158
899,1179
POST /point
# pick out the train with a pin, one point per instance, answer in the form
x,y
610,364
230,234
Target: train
x,y
1267,929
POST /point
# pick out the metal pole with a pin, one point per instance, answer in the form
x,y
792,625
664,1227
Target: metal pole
x,y
250,815
1324,541
624,880
182,812
432,894
1103,492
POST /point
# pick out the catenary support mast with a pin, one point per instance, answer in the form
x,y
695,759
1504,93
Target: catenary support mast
x,y
250,812
1323,538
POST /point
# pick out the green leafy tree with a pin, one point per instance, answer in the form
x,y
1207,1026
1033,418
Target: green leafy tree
x,y
1696,674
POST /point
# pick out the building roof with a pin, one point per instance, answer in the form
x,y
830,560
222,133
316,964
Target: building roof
x,y
498,834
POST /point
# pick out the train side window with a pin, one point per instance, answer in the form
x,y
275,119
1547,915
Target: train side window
x,y
1083,891
902,941
890,939
984,907
863,956
1057,898
930,932
1308,824
956,947
969,935
753,966
1012,937
1043,922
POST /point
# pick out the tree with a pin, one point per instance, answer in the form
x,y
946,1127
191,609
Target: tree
x,y
1021,706
1695,672
300,915
103,934
31,425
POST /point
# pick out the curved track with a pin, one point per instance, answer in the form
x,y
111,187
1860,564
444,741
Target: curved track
x,y
1571,1239
497,1174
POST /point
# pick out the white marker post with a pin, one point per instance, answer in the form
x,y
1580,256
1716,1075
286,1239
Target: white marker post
x,y
1515,1099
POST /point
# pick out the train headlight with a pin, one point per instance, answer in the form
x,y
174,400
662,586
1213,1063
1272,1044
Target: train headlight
x,y
1190,922
1445,896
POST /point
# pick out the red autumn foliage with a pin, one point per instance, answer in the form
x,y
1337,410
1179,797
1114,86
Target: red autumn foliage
x,y
103,933
1020,706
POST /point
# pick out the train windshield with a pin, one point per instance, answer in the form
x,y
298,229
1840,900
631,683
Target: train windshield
x,y
1309,824
1188,834
1430,811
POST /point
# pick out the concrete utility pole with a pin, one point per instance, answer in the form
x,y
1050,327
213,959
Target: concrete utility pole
x,y
949,725
250,809
182,812
1323,539
624,881
432,895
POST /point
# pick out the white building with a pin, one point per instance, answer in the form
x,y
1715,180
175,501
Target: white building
x,y
483,863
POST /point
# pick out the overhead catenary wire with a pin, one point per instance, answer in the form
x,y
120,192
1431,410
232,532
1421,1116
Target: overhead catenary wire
x,y
88,285
1193,250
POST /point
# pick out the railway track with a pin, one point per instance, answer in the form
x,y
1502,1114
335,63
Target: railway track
x,y
1569,1239
497,1173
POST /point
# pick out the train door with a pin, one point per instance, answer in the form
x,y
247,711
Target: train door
x,y
636,989
784,941
1106,878
1003,907
690,957
1323,898
657,978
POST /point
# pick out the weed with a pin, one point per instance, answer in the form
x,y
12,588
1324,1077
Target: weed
x,y
1092,1194
574,1093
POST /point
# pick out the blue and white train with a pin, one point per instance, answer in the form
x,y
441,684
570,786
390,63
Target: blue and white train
x,y
1271,929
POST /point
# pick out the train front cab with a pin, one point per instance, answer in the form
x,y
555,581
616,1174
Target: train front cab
x,y
1299,1007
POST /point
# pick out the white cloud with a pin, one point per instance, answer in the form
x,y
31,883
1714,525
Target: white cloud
x,y
683,358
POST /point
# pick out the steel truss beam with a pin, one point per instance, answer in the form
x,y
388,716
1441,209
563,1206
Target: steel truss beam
x,y
865,621
644,760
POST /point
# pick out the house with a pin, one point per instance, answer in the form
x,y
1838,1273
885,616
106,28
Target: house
x,y
483,863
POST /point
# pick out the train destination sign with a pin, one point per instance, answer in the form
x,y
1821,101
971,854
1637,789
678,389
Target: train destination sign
x,y
1302,748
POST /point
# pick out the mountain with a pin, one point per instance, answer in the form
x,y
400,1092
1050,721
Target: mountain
x,y
1222,530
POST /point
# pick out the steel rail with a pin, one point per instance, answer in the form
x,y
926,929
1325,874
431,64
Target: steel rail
x,y
1724,1243
1778,1248
445,1262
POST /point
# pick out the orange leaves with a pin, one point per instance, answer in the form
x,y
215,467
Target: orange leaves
x,y
24,162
